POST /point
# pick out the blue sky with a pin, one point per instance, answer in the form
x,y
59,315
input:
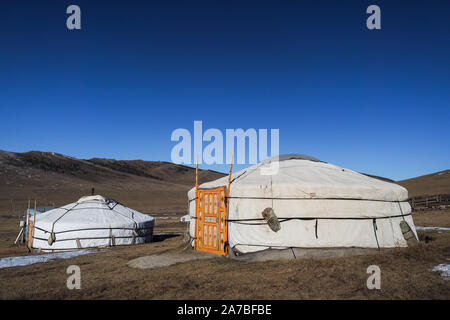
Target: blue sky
x,y
372,101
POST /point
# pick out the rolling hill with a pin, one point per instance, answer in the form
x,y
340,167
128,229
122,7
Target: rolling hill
x,y
55,179
149,186
430,184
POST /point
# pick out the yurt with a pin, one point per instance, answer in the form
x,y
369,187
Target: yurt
x,y
298,204
91,222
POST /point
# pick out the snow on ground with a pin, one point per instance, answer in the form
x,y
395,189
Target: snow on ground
x,y
432,228
444,269
27,260
185,218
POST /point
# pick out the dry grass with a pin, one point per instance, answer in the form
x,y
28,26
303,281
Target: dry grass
x,y
405,274
435,218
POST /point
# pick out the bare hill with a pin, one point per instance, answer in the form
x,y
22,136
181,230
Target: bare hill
x,y
56,179
149,186
430,184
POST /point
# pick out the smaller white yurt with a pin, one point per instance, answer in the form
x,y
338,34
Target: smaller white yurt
x,y
91,222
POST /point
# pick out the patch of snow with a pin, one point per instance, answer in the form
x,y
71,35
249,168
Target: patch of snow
x,y
444,269
185,218
9,262
432,228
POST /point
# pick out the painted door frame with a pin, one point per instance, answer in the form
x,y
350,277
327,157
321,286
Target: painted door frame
x,y
211,220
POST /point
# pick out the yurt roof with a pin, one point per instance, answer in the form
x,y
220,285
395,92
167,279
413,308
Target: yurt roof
x,y
300,177
91,212
290,156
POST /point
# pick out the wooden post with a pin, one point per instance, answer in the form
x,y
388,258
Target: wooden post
x,y
196,205
227,202
229,177
20,233
196,177
34,224
28,222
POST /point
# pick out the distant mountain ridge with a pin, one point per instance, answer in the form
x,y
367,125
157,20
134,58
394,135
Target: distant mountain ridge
x,y
56,162
58,179
149,186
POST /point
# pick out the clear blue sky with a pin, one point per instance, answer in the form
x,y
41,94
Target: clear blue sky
x,y
372,101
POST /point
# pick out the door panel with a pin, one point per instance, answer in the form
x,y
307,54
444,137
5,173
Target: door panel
x,y
211,227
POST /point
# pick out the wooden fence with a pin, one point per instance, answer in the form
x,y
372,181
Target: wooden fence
x,y
435,202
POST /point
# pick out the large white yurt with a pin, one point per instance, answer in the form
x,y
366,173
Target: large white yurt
x,y
296,201
91,222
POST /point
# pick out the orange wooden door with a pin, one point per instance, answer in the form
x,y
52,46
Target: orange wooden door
x,y
211,227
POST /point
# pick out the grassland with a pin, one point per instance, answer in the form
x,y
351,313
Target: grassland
x,y
405,273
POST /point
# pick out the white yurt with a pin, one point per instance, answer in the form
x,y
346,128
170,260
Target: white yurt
x,y
296,201
91,222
